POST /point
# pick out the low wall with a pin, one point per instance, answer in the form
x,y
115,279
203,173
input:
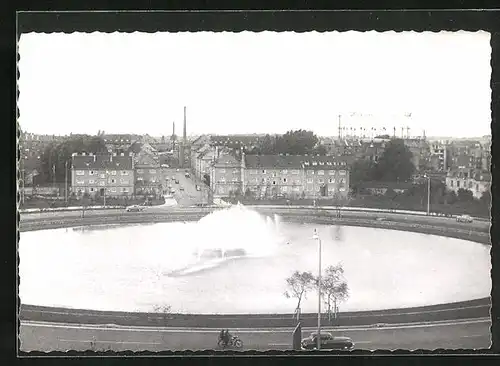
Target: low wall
x,y
479,308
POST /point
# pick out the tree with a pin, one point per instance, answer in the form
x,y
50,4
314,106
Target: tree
x,y
450,197
299,283
486,197
465,195
333,288
362,170
297,142
395,164
55,156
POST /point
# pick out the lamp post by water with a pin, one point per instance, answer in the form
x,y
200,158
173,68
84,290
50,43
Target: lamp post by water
x,y
316,237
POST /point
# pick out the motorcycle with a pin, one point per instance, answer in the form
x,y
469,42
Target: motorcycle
x,y
234,341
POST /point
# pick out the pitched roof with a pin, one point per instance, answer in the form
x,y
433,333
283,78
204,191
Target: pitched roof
x,y
102,161
228,160
273,161
236,140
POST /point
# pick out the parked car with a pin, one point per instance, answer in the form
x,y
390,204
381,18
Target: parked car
x,y
198,188
164,165
176,181
187,175
135,208
328,341
181,189
464,218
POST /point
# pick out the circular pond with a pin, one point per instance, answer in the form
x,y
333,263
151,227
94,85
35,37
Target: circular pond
x,y
237,261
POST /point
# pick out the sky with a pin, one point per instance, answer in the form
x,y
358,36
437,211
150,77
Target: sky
x,y
234,83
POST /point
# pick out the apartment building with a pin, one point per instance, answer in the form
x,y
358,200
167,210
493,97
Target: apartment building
x,y
227,172
148,174
102,174
273,176
473,180
279,176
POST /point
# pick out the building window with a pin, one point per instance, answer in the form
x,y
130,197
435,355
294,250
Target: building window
x,y
235,179
309,180
80,181
253,172
263,171
102,175
284,189
222,180
235,171
125,189
113,172
91,181
102,183
284,180
321,180
113,180
274,182
80,172
124,172
310,172
140,171
331,172
331,180
140,179
470,184
113,189
91,189
342,172
152,171
295,171
477,187
284,171
458,184
91,172
124,181
321,172
451,183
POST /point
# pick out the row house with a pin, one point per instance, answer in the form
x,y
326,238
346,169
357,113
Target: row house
x,y
119,142
275,176
148,174
326,177
201,164
227,173
102,174
473,180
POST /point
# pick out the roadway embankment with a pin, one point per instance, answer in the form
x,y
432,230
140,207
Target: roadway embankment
x,y
477,231
479,308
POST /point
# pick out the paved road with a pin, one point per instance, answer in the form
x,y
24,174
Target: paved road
x,y
186,197
189,196
471,334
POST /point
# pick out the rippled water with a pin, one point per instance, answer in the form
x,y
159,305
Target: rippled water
x,y
236,261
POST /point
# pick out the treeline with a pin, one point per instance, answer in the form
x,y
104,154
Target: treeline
x,y
298,142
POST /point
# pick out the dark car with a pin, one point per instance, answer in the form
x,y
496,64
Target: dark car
x,y
327,342
176,181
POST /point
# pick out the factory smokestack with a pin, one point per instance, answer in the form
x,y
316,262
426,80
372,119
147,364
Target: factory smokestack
x,y
185,132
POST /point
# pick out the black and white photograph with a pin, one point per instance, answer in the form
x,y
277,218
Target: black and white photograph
x,y
254,191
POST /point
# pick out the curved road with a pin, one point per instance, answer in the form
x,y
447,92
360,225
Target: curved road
x,y
470,334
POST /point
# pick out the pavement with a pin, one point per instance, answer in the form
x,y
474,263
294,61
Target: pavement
x,y
45,337
189,196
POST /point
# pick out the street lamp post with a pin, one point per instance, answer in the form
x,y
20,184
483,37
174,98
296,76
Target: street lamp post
x,y
428,194
316,236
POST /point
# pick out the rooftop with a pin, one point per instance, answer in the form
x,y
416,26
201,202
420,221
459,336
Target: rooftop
x,y
102,161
